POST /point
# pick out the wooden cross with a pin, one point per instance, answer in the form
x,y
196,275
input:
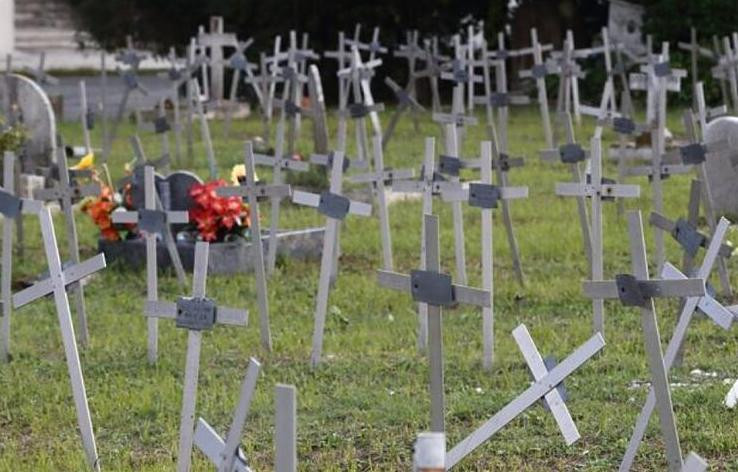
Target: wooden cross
x,y
727,67
598,189
226,454
433,288
343,57
279,162
66,193
238,62
539,72
378,179
545,386
695,52
706,304
335,207
152,221
405,102
638,290
572,154
428,185
11,208
253,190
215,41
569,73
485,196
432,70
57,284
412,53
195,314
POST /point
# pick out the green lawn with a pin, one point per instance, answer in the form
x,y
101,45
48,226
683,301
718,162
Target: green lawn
x,y
361,409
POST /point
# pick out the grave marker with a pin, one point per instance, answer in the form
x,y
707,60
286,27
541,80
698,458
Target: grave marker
x,y
539,72
252,191
195,314
335,207
405,102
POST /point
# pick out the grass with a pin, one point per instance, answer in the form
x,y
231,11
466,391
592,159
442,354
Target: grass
x,y
363,407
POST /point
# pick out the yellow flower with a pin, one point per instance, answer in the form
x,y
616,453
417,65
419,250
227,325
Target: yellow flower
x,y
87,162
238,174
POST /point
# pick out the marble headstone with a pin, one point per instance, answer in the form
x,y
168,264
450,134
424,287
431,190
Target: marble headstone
x,y
722,176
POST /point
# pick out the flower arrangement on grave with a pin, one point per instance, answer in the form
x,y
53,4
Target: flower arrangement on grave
x,y
218,218
11,137
101,208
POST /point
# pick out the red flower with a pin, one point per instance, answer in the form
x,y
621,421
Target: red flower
x,y
216,216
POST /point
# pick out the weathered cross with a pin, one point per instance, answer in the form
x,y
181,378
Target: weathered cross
x,y
253,191
435,289
412,53
56,284
727,67
538,72
215,41
638,290
706,304
11,208
378,179
335,207
695,52
205,131
152,221
66,193
196,314
547,379
485,196
238,62
598,189
405,102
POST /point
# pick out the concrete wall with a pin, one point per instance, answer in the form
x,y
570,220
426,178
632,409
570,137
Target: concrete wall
x,y
7,28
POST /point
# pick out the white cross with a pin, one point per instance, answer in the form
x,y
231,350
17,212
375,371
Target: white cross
x,y
435,289
253,191
56,284
405,102
544,386
335,207
539,72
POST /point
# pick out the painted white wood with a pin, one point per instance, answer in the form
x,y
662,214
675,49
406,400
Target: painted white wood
x,y
7,259
285,431
205,131
452,149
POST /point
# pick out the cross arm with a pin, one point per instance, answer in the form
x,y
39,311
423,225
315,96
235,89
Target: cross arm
x,y
211,444
314,200
666,170
461,293
386,175
455,119
224,315
479,194
260,190
704,52
645,289
58,192
283,162
686,234
574,189
70,275
722,316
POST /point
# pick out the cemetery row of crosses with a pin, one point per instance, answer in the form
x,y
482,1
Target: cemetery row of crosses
x,y
177,218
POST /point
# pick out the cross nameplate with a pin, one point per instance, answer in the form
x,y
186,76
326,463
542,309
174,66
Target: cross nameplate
x,y
571,153
10,205
499,99
484,195
333,205
622,125
630,291
151,221
195,313
662,69
693,154
450,165
539,71
358,110
688,237
432,288
161,125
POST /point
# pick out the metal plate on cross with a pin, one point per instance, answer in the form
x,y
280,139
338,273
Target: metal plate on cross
x,y
539,71
151,221
629,291
499,99
483,195
662,69
32,109
196,314
161,125
358,110
290,108
571,153
333,205
10,205
450,165
693,154
432,288
90,119
623,125
688,237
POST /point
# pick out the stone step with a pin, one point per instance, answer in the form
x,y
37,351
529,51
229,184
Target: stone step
x,y
48,38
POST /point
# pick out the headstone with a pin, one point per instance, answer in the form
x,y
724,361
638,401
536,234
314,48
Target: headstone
x,y
722,175
625,21
196,314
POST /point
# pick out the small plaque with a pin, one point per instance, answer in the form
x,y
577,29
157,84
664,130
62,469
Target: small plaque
x,y
688,237
629,291
151,221
10,205
161,125
450,165
290,108
483,195
539,71
571,153
662,69
432,288
197,314
623,125
693,154
333,205
499,99
358,110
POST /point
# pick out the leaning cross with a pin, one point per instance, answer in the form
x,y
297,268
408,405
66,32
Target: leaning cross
x,y
56,284
598,189
405,102
706,304
152,221
638,290
435,289
11,208
545,387
378,179
485,196
253,191
335,207
195,314
66,193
